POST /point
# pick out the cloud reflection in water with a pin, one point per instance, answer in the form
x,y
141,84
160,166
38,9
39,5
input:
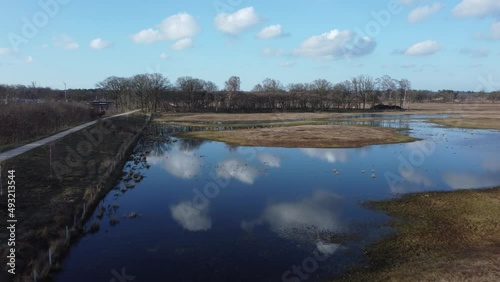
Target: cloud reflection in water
x,y
296,220
329,155
238,170
184,165
190,218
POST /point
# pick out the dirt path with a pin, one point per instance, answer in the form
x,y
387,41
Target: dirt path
x,y
23,149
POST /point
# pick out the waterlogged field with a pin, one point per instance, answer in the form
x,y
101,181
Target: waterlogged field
x,y
194,210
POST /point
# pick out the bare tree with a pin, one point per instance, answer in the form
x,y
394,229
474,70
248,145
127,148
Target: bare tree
x,y
387,86
117,89
404,87
258,88
272,85
233,85
210,87
321,86
297,87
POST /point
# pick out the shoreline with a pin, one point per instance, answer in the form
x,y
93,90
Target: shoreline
x,y
448,236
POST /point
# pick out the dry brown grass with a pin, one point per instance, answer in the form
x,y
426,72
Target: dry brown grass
x,y
247,117
317,136
440,236
480,116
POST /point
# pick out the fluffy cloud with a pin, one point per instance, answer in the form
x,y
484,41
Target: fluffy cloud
x,y
458,180
319,212
6,51
99,43
184,165
477,8
495,30
475,52
182,44
329,155
421,13
336,44
272,31
327,249
29,60
423,48
174,27
65,42
236,22
412,182
238,170
164,56
190,218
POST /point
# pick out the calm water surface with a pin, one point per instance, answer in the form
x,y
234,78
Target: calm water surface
x,y
207,211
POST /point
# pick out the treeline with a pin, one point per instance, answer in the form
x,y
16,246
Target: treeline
x,y
154,92
20,122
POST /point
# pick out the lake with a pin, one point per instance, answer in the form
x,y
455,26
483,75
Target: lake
x,y
207,211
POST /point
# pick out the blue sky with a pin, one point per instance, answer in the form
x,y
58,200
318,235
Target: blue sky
x,y
447,44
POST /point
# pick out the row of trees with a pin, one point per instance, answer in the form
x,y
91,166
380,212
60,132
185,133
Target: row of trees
x,y
153,92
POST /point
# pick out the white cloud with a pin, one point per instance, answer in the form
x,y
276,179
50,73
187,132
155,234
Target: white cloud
x,y
6,51
190,218
287,64
43,46
320,212
477,8
272,31
184,165
182,44
269,160
336,44
491,164
495,30
329,155
164,56
423,48
421,13
327,249
65,42
174,27
272,52
475,52
100,43
29,60
238,170
469,180
236,22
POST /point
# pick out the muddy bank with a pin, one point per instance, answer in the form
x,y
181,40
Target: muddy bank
x,y
439,236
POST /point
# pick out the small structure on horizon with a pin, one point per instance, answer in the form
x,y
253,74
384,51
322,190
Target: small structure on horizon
x,y
101,105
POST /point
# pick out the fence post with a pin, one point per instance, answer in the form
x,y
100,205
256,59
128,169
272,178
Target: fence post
x,y
50,256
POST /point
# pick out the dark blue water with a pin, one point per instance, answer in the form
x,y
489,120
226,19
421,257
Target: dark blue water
x,y
207,211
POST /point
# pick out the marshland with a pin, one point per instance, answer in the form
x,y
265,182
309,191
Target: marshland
x,y
329,195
